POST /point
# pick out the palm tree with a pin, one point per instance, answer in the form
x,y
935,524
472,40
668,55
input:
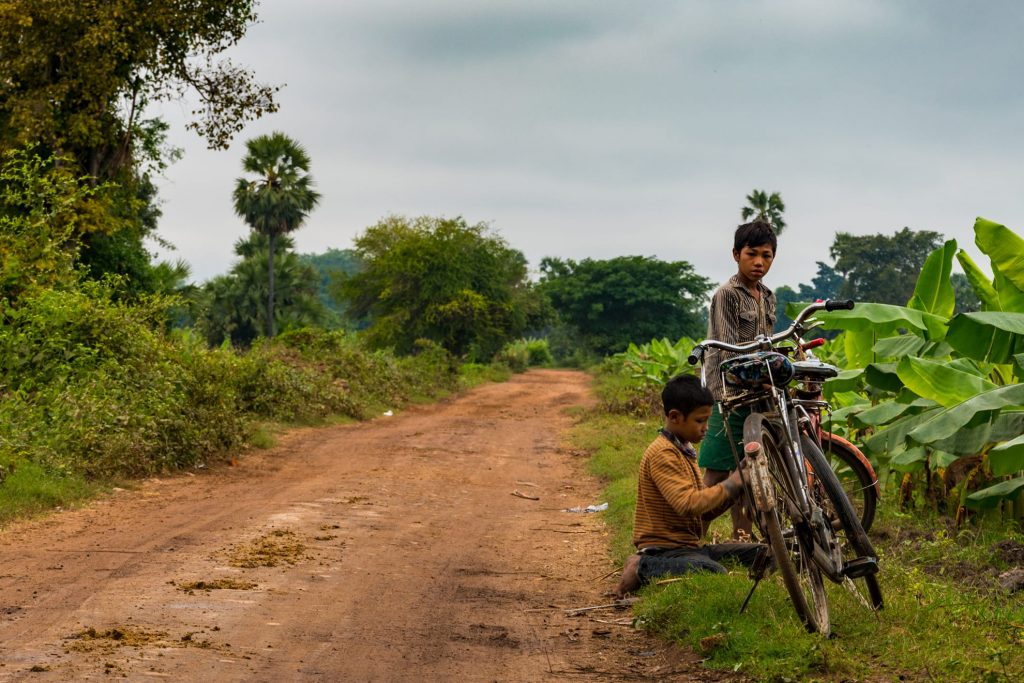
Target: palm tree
x,y
276,196
765,207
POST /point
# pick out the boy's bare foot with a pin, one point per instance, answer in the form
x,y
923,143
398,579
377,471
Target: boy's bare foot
x,y
630,581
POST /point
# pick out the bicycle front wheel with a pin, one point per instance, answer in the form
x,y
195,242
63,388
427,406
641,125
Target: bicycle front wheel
x,y
779,514
859,556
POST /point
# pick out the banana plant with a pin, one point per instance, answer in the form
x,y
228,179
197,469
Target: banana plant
x,y
657,361
943,386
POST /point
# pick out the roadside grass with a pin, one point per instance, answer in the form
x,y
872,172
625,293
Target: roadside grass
x,y
29,488
475,374
946,618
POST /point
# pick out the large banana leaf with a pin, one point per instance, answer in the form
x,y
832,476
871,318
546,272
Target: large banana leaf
x,y
1011,298
971,440
846,380
886,412
1004,247
899,346
991,336
943,383
885,320
982,286
1008,457
894,437
883,376
990,497
909,460
933,292
946,422
858,346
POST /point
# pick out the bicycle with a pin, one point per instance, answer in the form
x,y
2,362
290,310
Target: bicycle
x,y
795,498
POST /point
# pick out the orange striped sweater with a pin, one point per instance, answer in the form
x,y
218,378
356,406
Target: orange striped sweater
x,y
673,508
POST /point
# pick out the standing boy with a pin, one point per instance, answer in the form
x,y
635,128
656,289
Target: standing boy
x,y
741,309
673,507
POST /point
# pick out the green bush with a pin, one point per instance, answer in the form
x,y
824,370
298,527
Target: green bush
x,y
93,387
523,354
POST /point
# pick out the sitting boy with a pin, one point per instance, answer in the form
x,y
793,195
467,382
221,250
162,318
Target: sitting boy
x,y
673,507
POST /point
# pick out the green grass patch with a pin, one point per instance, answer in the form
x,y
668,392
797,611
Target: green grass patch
x,y
475,374
30,488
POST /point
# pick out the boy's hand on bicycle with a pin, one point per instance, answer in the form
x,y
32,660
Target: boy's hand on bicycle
x,y
733,484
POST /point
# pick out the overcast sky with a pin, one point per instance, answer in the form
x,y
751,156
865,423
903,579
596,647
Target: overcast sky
x,y
586,128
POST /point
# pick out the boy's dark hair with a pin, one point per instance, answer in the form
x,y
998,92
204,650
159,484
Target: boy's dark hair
x,y
685,393
755,234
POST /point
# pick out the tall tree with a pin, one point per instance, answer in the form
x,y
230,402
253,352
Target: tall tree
x,y
75,82
76,76
233,306
882,268
626,299
441,279
276,196
767,207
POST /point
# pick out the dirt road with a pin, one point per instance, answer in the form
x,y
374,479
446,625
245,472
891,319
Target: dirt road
x,y
392,550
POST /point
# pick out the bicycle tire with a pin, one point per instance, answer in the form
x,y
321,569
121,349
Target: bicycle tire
x,y
854,541
855,474
786,538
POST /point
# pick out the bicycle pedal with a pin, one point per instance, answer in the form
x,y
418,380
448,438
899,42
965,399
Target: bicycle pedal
x,y
860,567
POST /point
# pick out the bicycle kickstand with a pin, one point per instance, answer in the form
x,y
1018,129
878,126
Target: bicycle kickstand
x,y
750,595
758,570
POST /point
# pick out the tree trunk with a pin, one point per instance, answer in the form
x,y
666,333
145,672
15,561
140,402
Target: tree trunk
x,y
270,288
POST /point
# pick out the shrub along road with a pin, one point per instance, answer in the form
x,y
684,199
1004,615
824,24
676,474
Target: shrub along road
x,y
391,550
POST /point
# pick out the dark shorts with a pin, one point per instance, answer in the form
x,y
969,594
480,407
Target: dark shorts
x,y
715,452
658,562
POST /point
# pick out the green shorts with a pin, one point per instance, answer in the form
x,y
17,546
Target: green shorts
x,y
715,452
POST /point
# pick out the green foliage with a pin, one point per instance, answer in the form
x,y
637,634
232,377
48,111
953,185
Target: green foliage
x,y
233,307
627,299
945,383
93,387
475,374
76,74
39,203
881,268
29,488
330,267
444,280
657,361
522,354
933,292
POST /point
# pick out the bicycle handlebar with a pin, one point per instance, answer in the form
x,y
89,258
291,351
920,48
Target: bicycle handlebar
x,y
763,341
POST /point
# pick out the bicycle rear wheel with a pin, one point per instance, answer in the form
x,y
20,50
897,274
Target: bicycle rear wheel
x,y
855,475
859,556
780,519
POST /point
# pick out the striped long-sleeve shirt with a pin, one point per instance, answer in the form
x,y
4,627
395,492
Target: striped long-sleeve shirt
x,y
735,316
673,508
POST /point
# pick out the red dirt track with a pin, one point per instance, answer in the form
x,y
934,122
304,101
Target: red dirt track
x,y
412,561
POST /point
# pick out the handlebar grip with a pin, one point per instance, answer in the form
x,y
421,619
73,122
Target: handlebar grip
x,y
840,304
692,360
